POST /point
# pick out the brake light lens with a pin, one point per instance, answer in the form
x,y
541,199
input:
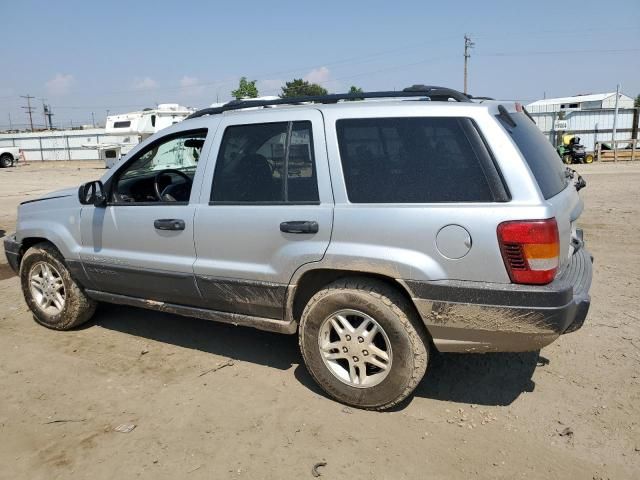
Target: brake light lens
x,y
531,250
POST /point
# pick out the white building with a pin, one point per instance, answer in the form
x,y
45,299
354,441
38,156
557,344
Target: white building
x,y
121,133
595,101
589,117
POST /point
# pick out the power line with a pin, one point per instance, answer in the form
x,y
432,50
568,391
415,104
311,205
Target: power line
x,y
365,58
546,33
557,52
398,67
29,108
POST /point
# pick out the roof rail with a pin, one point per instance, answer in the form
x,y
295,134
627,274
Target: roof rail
x,y
434,94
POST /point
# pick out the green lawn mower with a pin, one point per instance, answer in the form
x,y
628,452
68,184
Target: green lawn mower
x,y
571,151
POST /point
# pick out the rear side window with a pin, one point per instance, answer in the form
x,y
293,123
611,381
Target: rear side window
x,y
542,158
266,163
416,160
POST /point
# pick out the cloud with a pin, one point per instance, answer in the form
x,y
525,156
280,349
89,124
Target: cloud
x,y
270,87
318,75
145,83
190,86
60,84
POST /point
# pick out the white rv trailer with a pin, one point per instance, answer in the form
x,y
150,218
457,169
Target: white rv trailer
x,y
148,121
140,125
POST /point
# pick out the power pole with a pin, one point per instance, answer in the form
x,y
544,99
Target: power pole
x,y
468,45
10,126
93,120
44,112
614,145
29,108
49,113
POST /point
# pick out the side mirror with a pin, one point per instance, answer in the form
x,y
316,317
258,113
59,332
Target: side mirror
x,y
92,193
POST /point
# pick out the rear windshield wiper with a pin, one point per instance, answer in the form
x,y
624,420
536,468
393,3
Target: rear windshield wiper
x,y
580,182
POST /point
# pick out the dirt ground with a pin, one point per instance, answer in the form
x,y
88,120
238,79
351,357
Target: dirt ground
x,y
572,411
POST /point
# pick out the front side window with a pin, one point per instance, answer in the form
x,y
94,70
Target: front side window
x,y
163,172
266,163
414,160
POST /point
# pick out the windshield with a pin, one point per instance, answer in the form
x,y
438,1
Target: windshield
x,y
179,154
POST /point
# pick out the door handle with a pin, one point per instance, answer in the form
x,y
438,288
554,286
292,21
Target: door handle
x,y
169,224
299,226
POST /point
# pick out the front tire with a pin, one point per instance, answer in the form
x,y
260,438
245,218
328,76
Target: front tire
x,y
6,160
567,159
362,343
55,299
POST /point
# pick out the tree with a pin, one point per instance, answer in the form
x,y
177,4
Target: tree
x,y
301,88
637,102
355,89
246,89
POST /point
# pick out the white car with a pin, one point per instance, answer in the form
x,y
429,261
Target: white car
x,y
9,156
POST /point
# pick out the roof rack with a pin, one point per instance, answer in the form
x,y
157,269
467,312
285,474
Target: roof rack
x,y
434,94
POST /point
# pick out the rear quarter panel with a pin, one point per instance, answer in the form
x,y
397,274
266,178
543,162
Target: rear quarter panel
x,y
399,240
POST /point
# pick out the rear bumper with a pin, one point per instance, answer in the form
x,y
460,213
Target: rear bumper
x,y
489,317
12,252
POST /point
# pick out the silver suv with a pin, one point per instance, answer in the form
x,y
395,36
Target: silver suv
x,y
378,230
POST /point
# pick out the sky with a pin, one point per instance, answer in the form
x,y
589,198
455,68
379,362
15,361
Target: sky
x,y
117,56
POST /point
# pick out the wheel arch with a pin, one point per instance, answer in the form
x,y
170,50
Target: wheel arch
x,y
29,242
314,280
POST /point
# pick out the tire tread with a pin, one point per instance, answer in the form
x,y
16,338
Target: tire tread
x,y
399,305
79,308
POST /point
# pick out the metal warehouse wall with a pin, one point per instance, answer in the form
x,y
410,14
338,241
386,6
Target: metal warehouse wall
x,y
64,144
589,125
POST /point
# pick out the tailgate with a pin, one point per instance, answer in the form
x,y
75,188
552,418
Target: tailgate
x,y
553,179
567,207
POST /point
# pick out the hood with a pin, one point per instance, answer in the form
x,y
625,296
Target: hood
x,y
65,192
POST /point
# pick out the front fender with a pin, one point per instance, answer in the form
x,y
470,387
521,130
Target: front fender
x,y
53,221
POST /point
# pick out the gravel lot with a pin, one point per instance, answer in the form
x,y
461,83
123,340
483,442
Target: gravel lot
x,y
572,411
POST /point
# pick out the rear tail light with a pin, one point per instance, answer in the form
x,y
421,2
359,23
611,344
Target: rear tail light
x,y
530,249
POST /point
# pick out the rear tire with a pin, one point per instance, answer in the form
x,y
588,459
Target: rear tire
x,y
588,158
6,160
55,299
386,355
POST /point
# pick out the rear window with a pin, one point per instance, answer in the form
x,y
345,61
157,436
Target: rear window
x,y
542,158
414,160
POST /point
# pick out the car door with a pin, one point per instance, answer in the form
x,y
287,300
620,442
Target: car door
x,y
141,243
266,209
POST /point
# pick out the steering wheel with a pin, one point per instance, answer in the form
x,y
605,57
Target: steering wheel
x,y
156,180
